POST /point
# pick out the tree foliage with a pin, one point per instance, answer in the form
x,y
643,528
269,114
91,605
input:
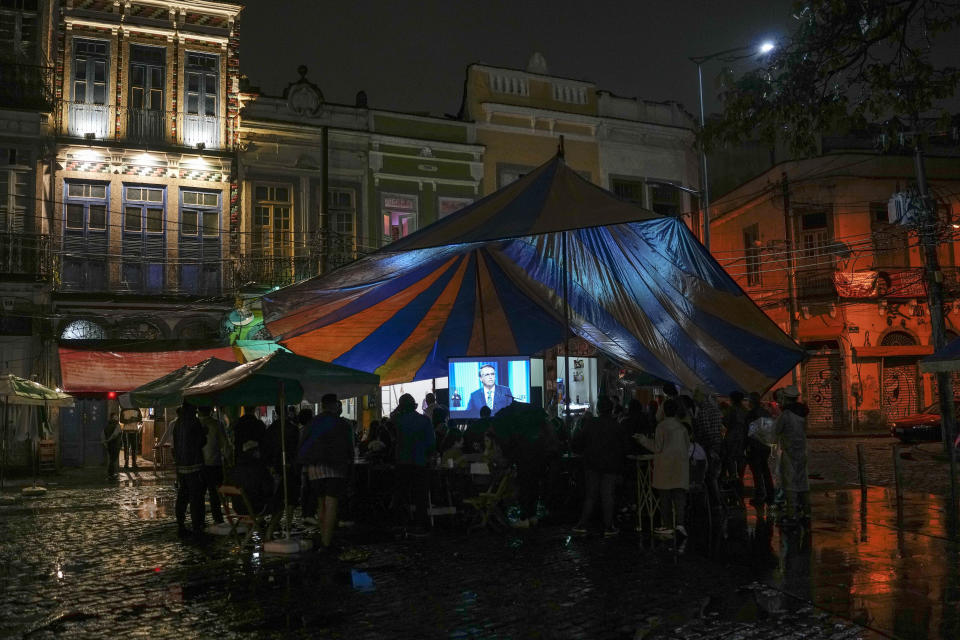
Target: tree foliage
x,y
849,63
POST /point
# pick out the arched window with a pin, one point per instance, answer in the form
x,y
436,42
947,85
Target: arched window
x,y
83,330
139,330
898,339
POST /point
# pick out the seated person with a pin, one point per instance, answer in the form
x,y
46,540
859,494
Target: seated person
x,y
473,437
251,475
493,451
452,448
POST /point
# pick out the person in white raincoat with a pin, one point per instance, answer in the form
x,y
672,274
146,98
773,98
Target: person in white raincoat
x,y
671,467
790,431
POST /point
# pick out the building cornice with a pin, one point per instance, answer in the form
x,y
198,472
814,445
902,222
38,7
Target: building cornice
x,y
130,27
491,108
197,6
420,180
476,149
520,73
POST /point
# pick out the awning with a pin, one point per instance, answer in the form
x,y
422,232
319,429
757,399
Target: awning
x,y
92,371
893,351
17,390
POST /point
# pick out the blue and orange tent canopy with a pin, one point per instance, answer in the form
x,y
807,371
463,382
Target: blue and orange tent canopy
x,y
489,280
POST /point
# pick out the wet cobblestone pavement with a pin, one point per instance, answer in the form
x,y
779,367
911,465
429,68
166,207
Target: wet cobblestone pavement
x,y
92,562
924,468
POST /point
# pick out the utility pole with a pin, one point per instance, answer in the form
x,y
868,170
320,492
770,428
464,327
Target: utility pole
x,y
791,266
927,230
704,176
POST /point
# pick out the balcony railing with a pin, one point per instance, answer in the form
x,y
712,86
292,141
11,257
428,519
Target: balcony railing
x,y
143,126
815,283
197,130
89,120
25,254
146,125
268,272
80,268
894,283
25,86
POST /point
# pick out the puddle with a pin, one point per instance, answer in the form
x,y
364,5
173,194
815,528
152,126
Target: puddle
x,y
895,573
151,508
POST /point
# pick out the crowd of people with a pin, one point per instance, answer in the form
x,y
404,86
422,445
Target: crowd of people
x,y
697,440
307,460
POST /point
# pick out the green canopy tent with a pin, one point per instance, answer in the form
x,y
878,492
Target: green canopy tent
x,y
19,391
276,379
258,382
167,390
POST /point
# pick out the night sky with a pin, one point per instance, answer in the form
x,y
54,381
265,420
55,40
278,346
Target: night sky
x,y
412,56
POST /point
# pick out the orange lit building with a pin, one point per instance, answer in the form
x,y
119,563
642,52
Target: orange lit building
x,y
858,299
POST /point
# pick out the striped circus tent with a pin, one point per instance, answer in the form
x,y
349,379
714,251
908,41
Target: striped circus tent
x,y
489,280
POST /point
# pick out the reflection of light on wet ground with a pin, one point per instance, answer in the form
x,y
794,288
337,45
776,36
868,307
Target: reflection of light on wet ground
x,y
153,508
857,563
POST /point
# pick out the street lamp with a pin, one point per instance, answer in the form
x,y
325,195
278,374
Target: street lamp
x,y
764,48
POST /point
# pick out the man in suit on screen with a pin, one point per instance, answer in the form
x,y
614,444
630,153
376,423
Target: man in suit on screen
x,y
490,394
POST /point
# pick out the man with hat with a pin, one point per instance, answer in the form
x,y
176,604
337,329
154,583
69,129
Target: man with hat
x,y
790,431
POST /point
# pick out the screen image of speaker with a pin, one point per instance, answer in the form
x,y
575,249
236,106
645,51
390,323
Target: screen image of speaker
x,y
494,382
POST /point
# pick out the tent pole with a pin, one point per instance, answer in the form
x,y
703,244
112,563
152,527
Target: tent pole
x,y
566,332
283,454
483,323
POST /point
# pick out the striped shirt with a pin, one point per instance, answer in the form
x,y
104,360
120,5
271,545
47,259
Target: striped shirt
x,y
708,427
322,471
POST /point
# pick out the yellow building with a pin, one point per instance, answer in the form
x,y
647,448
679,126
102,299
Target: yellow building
x,y
643,151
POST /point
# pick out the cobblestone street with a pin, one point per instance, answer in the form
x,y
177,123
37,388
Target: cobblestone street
x,y
98,561
924,467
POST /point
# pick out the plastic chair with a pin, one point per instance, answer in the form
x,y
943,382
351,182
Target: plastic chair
x,y
488,504
250,520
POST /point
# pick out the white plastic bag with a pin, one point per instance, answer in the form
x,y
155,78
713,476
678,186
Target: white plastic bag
x,y
762,430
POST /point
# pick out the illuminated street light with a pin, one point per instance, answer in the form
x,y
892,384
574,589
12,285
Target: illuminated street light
x,y
764,48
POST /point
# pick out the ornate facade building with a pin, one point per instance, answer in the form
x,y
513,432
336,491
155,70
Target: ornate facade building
x,y
811,242
149,196
641,150
142,191
26,126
